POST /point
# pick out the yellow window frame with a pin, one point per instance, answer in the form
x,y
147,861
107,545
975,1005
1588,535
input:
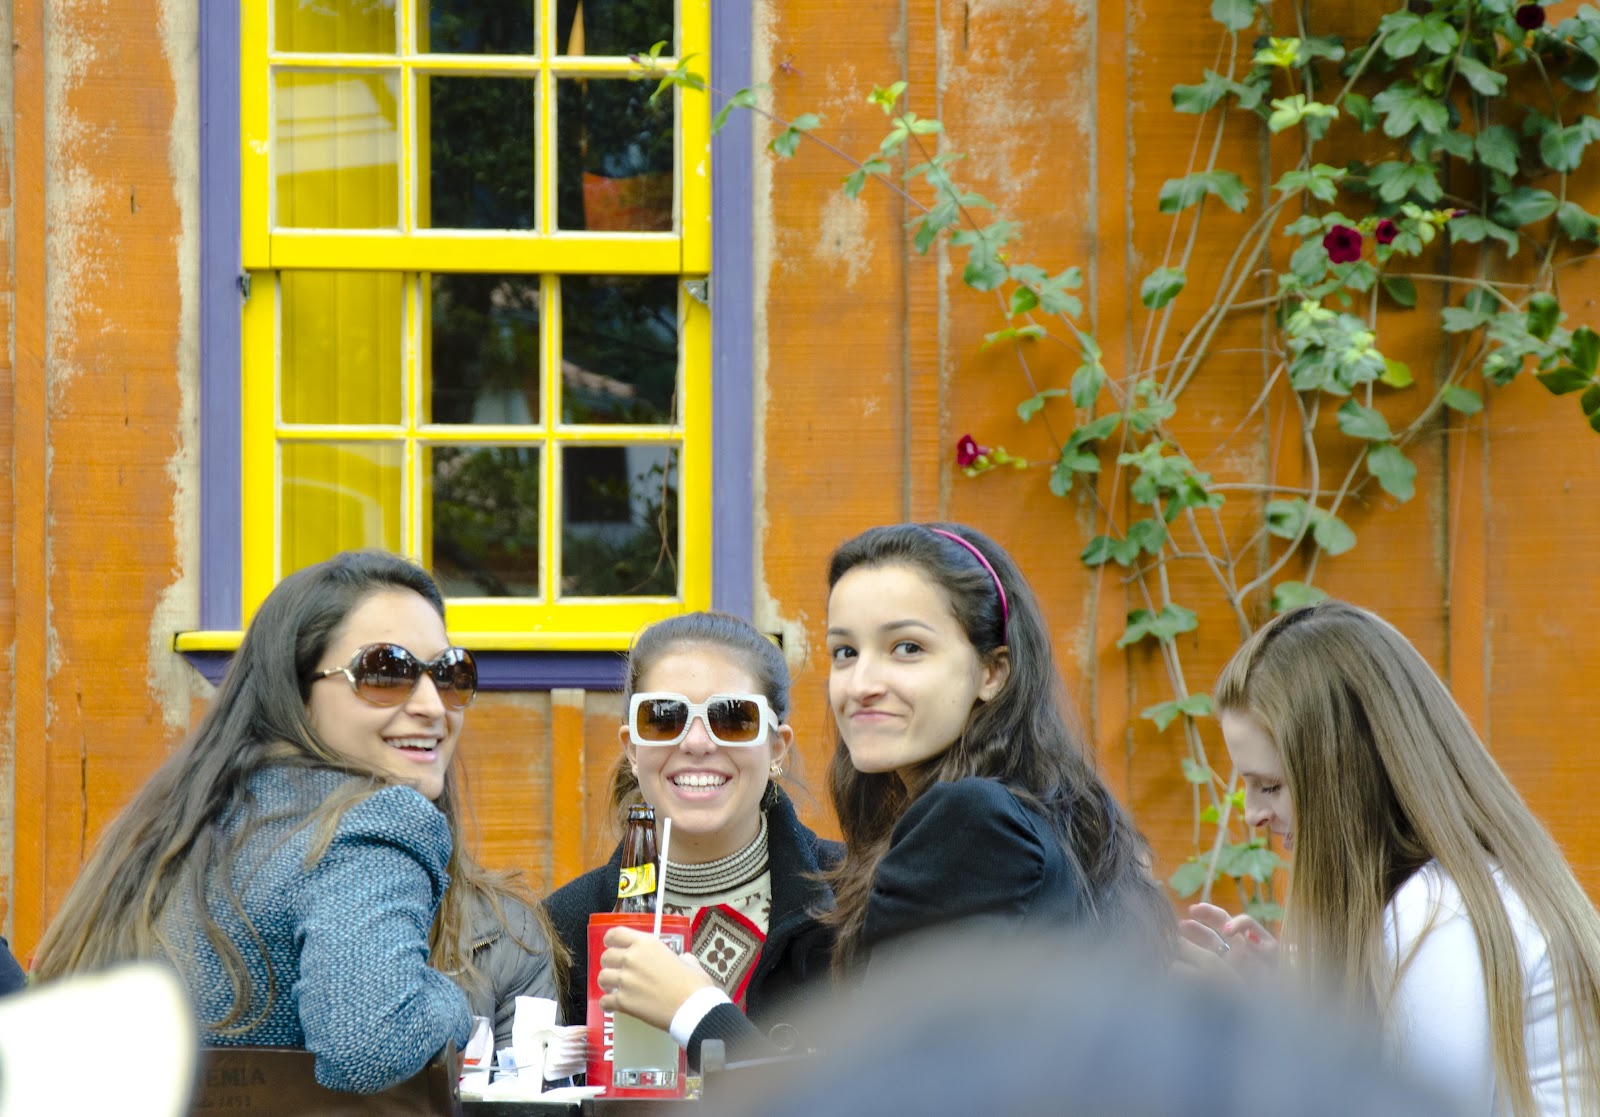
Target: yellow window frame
x,y
549,622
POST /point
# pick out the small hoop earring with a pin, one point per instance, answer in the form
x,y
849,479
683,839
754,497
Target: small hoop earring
x,y
775,768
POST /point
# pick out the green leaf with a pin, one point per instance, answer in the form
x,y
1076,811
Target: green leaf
x,y
1363,422
984,272
1590,401
1524,206
1189,878
1394,471
1286,519
1404,292
743,99
786,142
1406,108
1499,148
1584,350
1087,381
1181,193
1360,108
1264,911
1394,181
1149,535
1203,97
1289,111
1577,223
1464,400
1563,379
1544,312
1403,34
1396,374
1023,299
1103,549
1235,15
1165,713
1013,333
1251,859
1562,148
1031,406
1161,286
1333,534
1321,182
1195,773
1484,79
1292,595
886,96
1165,626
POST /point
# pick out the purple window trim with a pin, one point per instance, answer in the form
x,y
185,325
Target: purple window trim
x,y
732,394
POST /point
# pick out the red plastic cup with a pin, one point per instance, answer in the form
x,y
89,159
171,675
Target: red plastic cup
x,y
601,1023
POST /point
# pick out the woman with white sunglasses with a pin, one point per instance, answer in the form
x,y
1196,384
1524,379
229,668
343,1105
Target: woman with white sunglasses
x,y
705,743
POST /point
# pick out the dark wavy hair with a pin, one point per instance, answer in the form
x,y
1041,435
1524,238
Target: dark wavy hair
x,y
170,841
721,631
1022,737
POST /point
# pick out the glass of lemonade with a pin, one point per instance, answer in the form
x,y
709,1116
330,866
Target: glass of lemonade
x,y
643,1057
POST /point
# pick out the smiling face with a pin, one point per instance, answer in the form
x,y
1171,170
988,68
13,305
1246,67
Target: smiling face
x,y
711,792
904,676
413,742
1257,760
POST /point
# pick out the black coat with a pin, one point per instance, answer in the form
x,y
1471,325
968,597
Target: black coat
x,y
798,951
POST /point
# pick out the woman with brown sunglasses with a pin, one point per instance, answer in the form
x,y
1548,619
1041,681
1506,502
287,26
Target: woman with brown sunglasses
x,y
299,858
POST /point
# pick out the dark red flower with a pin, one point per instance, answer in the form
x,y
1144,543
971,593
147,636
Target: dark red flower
x,y
1386,232
1343,244
968,451
1530,17
1459,212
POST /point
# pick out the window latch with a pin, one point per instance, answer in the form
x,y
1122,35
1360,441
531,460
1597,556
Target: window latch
x,y
244,285
699,290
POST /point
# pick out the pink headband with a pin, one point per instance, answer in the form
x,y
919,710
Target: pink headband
x,y
1005,608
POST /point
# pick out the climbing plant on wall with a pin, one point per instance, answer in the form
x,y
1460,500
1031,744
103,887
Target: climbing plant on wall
x,y
1436,152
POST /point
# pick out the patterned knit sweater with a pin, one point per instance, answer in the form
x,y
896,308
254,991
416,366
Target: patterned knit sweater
x,y
346,938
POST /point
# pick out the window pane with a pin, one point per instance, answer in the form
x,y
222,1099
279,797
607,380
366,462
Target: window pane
x,y
481,152
619,349
339,495
615,27
485,349
477,26
339,347
619,530
485,520
615,151
336,154
334,26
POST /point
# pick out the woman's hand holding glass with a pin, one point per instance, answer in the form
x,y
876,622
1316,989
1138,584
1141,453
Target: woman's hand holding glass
x,y
642,976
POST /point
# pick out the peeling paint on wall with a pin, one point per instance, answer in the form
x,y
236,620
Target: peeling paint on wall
x,y
171,681
842,237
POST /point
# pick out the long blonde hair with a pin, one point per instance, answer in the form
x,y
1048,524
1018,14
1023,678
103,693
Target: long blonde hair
x,y
1386,774
169,842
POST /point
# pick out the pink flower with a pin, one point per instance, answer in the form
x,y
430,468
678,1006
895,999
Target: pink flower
x,y
968,451
1386,232
1530,17
1343,244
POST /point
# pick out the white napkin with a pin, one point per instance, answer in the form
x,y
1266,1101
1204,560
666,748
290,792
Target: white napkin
x,y
543,1051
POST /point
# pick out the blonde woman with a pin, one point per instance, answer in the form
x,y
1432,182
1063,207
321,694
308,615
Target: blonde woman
x,y
1423,889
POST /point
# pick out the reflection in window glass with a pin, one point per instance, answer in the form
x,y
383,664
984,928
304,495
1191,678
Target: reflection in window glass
x,y
485,349
336,155
480,152
615,156
616,28
334,26
476,26
485,528
339,349
619,349
337,496
619,527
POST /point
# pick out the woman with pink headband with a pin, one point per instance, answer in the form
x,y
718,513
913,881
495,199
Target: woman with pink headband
x,y
964,795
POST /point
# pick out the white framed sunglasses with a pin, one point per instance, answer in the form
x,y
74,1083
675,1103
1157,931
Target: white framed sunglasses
x,y
731,720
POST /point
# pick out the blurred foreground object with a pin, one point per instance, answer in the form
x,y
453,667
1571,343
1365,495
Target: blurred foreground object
x,y
123,1039
1056,1025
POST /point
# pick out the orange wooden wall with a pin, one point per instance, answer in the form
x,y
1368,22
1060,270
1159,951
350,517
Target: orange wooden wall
x,y
869,369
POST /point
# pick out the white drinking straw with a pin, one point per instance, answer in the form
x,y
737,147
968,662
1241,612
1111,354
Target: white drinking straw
x,y
661,880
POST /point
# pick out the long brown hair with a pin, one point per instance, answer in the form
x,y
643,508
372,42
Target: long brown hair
x,y
1385,774
1021,737
170,841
